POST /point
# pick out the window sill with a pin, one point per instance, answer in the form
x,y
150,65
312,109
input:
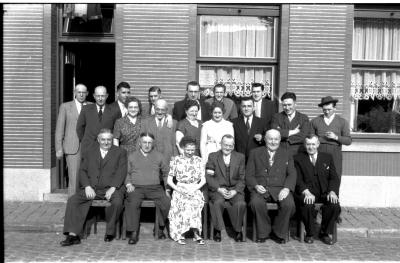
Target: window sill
x,y
374,142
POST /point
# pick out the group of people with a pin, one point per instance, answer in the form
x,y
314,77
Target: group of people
x,y
206,153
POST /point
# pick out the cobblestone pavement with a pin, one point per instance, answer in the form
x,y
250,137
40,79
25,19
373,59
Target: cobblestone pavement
x,y
40,246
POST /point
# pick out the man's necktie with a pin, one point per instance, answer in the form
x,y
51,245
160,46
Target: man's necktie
x,y
313,159
101,113
271,160
248,124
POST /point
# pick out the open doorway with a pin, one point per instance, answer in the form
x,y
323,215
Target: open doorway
x,y
91,64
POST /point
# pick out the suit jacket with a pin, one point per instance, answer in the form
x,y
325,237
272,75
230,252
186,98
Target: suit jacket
x,y
146,110
178,113
66,138
280,175
89,126
231,111
308,175
115,107
103,173
244,142
233,180
280,121
268,109
164,137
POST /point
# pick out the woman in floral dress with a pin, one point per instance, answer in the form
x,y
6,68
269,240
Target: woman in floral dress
x,y
187,200
127,129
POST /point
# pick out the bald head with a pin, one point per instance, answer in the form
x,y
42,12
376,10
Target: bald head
x,y
100,95
160,108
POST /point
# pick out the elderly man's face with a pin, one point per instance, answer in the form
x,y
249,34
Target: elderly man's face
x,y
160,110
146,144
81,93
123,93
193,92
289,106
153,96
312,145
105,140
272,139
100,95
227,145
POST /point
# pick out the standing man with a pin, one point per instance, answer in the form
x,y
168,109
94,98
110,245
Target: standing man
x,y
230,110
153,95
225,171
263,108
143,182
332,130
293,125
192,93
102,174
271,177
317,182
66,139
95,117
248,128
123,92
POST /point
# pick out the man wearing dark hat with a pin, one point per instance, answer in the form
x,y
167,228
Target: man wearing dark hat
x,y
332,131
293,125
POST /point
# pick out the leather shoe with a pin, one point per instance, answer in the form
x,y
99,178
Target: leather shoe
x,y
239,237
277,239
217,236
133,238
261,239
161,234
70,240
108,238
325,238
309,239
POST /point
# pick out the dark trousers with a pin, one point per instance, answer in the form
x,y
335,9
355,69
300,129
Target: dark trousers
x,y
78,207
134,201
330,213
236,209
286,209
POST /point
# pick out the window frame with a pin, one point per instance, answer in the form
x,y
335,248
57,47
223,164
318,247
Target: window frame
x,y
373,11
241,10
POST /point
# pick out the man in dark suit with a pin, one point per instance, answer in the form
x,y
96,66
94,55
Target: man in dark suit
x,y
102,173
225,171
94,117
248,128
192,93
66,139
292,124
153,95
317,181
271,177
263,108
123,92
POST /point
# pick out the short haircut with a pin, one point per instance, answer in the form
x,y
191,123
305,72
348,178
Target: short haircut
x,y
288,95
146,134
310,136
105,130
256,84
217,104
191,103
155,89
228,136
219,85
187,140
123,84
131,99
192,83
246,99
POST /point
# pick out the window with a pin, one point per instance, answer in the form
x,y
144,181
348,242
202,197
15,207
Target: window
x,y
375,77
237,47
88,18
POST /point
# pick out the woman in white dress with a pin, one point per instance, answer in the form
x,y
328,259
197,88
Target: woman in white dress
x,y
213,131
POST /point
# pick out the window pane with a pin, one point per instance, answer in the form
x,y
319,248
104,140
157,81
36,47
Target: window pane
x,y
237,36
237,79
88,18
376,39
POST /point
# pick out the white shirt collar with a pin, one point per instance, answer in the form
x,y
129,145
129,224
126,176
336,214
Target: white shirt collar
x,y
98,107
291,117
330,119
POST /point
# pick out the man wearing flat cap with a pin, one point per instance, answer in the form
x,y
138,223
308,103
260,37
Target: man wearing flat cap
x,y
332,130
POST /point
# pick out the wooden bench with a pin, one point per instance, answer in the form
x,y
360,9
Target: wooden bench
x,y
244,226
270,206
301,227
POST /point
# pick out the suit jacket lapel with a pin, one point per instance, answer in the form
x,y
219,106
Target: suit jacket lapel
x,y
74,109
233,164
221,164
108,155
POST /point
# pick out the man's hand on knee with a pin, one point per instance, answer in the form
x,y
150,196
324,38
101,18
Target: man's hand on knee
x,y
109,193
89,192
283,193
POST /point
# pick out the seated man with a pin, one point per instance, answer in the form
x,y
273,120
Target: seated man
x,y
271,177
143,182
225,177
317,181
102,174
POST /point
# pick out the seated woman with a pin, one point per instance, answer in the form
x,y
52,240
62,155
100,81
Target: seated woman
x,y
187,200
127,129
